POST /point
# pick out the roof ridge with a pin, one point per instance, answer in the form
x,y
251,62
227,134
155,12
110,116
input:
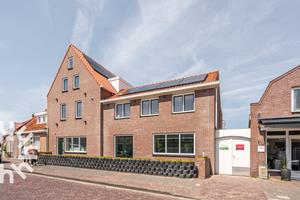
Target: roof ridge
x,y
173,79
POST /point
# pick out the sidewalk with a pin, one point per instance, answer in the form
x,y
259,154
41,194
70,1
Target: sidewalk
x,y
216,187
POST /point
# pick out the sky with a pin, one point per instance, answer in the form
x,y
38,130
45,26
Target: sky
x,y
249,42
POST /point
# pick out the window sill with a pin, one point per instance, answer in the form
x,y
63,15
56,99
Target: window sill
x,y
295,111
70,68
62,120
79,152
78,118
76,88
174,154
151,115
64,91
181,112
119,118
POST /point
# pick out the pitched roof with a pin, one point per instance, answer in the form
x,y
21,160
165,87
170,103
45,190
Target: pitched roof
x,y
32,125
207,78
98,72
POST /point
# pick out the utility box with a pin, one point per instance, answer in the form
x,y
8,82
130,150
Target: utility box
x,y
263,171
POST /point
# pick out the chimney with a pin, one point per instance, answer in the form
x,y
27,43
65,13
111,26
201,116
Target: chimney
x,y
119,84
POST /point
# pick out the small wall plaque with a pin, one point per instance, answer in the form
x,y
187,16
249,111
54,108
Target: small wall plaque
x,y
261,149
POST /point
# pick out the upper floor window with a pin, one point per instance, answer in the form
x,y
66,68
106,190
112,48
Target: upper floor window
x,y
78,109
296,100
65,84
150,107
76,82
42,119
70,62
63,111
122,110
183,103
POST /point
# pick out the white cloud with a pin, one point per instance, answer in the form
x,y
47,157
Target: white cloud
x,y
156,17
83,30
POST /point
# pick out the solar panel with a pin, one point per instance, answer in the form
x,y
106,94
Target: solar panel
x,y
193,79
99,68
177,82
169,83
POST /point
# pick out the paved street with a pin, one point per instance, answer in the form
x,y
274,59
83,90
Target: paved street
x,y
36,187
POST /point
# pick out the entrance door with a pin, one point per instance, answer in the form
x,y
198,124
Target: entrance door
x,y
224,156
60,146
241,157
295,158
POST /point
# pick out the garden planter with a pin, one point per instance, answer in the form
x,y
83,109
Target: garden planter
x,y
285,174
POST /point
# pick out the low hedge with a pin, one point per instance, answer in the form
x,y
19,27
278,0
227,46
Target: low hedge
x,y
175,168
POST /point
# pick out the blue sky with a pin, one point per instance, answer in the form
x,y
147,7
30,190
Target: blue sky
x,y
250,42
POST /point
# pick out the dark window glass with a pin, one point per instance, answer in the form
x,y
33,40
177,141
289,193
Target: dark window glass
x,y
126,110
275,153
160,144
124,146
78,109
276,133
83,144
119,112
76,144
178,104
69,144
70,63
76,82
296,99
145,107
63,111
172,143
187,143
154,106
65,84
188,102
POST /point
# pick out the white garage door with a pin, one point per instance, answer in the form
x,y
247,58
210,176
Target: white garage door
x,y
233,154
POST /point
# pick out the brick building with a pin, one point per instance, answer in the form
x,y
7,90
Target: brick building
x,y
95,112
275,126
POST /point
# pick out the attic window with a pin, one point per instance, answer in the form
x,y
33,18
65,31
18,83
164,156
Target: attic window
x,y
296,100
70,62
42,119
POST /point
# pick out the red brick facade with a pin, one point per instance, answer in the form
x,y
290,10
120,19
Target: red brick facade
x,y
201,122
275,102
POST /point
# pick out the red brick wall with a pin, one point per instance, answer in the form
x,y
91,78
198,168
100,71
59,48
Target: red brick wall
x,y
201,122
275,103
89,93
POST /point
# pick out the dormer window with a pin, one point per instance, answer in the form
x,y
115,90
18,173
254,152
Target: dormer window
x,y
296,100
42,119
70,62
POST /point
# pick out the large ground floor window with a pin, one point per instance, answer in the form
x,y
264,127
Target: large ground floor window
x,y
276,152
174,144
124,146
75,144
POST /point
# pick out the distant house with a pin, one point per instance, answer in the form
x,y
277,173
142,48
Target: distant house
x,y
275,126
92,111
37,126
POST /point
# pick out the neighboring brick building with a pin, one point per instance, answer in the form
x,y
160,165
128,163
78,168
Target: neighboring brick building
x,y
37,125
93,111
275,125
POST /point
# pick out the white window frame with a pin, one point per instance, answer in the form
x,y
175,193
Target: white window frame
x,y
115,143
43,121
63,84
79,140
61,111
68,62
185,94
292,100
266,150
166,144
123,117
34,139
74,78
150,114
76,116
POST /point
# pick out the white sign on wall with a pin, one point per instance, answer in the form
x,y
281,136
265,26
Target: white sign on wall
x,y
261,149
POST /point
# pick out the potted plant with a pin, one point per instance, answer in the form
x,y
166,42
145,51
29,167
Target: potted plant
x,y
285,172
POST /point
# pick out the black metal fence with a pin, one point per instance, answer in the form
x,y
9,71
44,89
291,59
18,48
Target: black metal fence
x,y
152,167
